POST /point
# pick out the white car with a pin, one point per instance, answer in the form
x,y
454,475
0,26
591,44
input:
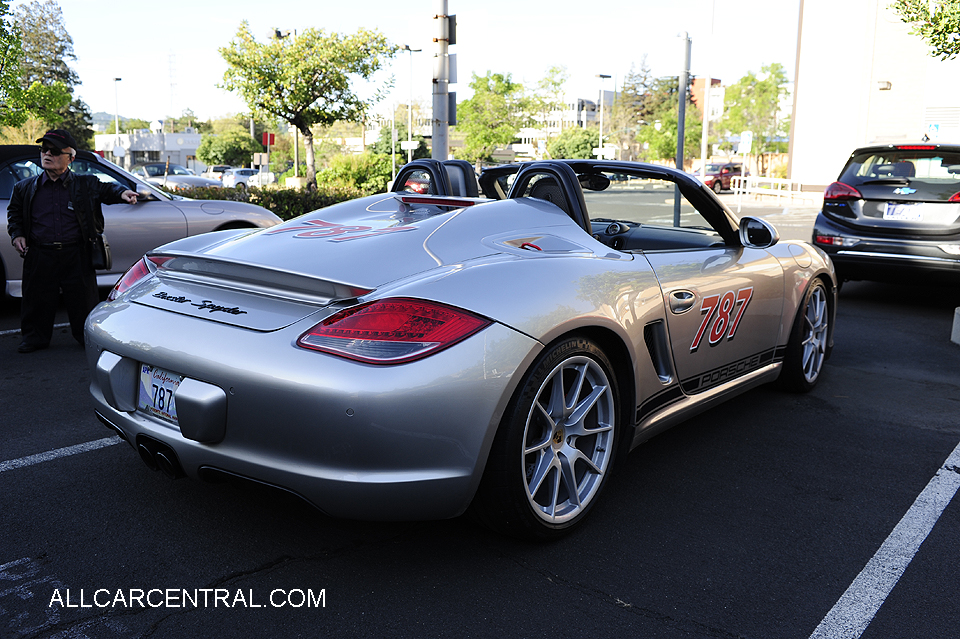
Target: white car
x,y
237,178
261,179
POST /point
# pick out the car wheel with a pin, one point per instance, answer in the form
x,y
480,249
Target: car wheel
x,y
717,187
241,186
807,349
555,446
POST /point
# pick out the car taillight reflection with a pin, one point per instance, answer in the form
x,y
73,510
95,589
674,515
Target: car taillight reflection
x,y
416,186
838,191
392,331
140,270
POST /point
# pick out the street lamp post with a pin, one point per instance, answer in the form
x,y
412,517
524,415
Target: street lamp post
x,y
406,47
707,89
602,77
116,120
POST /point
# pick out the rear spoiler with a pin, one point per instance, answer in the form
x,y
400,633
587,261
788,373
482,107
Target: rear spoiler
x,y
263,280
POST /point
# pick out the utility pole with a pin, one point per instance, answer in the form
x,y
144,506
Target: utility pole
x,y
682,91
444,73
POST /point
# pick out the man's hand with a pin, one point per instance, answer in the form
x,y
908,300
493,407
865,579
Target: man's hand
x,y
130,197
20,243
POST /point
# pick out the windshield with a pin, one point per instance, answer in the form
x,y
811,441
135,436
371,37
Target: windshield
x,y
935,172
640,200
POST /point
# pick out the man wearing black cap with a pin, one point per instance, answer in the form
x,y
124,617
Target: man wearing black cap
x,y
52,218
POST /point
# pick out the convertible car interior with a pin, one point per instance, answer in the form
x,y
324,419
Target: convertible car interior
x,y
625,207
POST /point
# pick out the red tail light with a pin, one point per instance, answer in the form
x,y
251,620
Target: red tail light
x,y
141,269
838,191
955,197
392,331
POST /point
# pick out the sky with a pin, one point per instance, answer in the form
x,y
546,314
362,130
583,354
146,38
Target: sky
x,y
167,57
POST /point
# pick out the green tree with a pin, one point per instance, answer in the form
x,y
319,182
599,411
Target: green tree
x,y
493,116
629,110
574,143
186,120
936,22
233,146
368,172
382,145
660,115
127,125
753,104
304,80
47,48
18,102
547,96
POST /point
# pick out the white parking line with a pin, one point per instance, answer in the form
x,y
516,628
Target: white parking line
x,y
14,331
56,454
856,608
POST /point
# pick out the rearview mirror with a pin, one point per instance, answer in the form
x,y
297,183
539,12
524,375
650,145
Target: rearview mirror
x,y
593,181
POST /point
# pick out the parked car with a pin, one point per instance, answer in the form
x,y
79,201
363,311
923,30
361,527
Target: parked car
x,y
718,175
215,172
411,356
237,178
131,229
261,179
894,213
173,177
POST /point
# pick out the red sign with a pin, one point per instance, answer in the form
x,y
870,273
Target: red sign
x,y
269,139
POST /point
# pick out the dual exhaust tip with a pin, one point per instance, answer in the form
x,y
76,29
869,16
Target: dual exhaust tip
x,y
158,456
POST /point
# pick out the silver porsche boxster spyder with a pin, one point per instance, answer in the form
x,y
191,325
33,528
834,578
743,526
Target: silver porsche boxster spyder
x,y
454,346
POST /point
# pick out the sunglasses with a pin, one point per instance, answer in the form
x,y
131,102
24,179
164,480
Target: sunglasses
x,y
51,150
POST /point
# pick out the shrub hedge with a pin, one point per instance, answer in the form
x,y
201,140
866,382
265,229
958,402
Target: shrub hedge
x,y
284,203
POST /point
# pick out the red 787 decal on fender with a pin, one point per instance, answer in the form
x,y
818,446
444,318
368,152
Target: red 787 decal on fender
x,y
719,308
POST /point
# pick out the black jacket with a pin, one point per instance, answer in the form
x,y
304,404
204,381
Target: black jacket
x,y
87,193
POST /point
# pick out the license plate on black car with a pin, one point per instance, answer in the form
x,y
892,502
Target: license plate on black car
x,y
906,212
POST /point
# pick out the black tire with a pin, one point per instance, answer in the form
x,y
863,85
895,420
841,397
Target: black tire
x,y
717,187
555,447
808,347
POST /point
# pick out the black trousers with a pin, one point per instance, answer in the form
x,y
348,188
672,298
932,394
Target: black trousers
x,y
46,272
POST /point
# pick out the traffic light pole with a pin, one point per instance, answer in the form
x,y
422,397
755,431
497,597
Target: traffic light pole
x,y
684,79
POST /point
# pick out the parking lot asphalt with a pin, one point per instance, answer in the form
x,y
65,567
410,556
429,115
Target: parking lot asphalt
x,y
754,519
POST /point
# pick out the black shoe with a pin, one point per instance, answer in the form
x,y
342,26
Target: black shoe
x,y
27,347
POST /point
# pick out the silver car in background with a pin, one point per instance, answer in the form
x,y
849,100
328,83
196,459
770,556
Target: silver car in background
x,y
131,229
173,177
418,354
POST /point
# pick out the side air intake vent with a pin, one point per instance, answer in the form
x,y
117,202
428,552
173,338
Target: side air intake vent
x,y
655,337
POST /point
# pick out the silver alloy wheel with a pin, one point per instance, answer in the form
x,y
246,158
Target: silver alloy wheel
x,y
815,324
568,439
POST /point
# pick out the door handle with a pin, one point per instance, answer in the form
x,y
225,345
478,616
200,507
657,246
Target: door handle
x,y
682,301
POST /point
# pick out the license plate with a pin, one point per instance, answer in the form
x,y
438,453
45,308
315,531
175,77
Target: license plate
x,y
158,389
905,212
